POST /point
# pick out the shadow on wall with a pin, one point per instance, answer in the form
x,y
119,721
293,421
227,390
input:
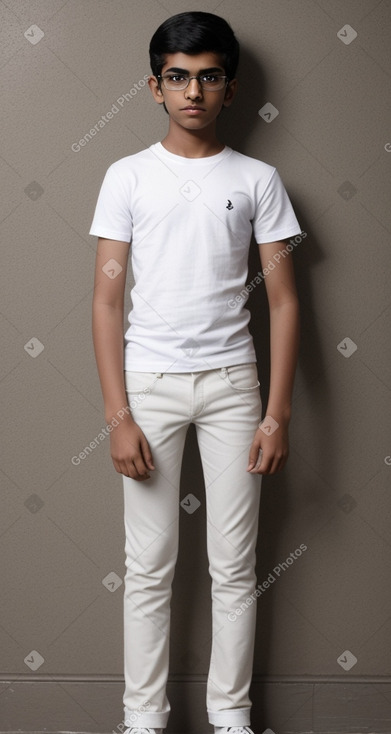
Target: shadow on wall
x,y
237,127
237,122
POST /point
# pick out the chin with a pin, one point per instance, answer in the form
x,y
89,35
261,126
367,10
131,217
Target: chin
x,y
193,123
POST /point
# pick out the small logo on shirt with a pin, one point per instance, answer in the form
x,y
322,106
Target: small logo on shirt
x,y
229,204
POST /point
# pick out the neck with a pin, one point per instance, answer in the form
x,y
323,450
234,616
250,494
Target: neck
x,y
192,143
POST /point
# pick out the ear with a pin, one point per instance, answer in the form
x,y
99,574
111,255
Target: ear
x,y
154,86
230,92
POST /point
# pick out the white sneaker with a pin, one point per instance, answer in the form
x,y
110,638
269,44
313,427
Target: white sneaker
x,y
142,730
233,730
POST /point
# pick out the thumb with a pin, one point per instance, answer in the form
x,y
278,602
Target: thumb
x,y
255,456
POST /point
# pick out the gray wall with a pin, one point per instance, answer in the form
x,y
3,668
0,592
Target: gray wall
x,y
61,526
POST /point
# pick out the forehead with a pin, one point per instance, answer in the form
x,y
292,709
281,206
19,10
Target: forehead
x,y
193,63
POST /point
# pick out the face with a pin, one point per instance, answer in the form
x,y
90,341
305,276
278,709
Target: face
x,y
193,108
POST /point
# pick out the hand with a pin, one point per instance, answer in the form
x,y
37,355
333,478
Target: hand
x,y
275,451
130,451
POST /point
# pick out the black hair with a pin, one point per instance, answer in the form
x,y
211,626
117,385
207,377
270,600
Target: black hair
x,y
192,33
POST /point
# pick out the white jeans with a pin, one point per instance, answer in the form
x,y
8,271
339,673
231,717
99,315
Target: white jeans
x,y
225,406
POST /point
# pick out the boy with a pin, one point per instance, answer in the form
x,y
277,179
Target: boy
x,y
188,206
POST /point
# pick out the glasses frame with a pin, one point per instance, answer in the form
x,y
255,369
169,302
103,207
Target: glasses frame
x,y
195,76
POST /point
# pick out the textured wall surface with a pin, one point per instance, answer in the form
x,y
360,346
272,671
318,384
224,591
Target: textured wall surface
x,y
314,101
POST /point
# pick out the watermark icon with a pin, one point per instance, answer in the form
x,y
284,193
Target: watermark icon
x,y
34,660
190,190
268,425
34,503
346,190
347,660
347,503
115,108
33,347
112,268
347,34
268,112
112,581
260,276
190,347
347,347
272,577
34,34
33,190
104,432
387,460
190,503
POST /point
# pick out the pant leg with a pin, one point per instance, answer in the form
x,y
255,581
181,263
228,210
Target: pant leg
x,y
225,431
151,516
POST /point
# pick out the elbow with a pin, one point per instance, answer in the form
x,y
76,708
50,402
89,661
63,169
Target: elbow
x,y
109,305
288,303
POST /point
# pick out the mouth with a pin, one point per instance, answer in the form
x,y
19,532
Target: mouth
x,y
192,109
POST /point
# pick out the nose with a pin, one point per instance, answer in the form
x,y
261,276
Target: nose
x,y
194,89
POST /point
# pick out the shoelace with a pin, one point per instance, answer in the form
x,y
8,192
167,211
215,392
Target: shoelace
x,y
239,729
140,730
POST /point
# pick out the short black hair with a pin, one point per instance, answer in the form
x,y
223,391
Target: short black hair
x,y
192,33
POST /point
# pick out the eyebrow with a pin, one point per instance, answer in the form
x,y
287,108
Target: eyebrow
x,y
176,70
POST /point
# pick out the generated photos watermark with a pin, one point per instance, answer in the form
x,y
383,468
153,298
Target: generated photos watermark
x,y
131,718
260,276
104,432
115,108
272,577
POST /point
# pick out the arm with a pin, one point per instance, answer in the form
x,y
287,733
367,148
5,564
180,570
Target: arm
x,y
129,448
284,346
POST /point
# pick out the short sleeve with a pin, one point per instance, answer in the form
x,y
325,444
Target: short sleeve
x,y
112,218
274,217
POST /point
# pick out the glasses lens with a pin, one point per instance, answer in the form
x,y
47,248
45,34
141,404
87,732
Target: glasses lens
x,y
175,81
212,83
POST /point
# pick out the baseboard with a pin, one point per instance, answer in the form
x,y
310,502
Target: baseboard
x,y
280,706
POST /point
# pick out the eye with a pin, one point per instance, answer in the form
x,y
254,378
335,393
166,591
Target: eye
x,y
209,78
175,78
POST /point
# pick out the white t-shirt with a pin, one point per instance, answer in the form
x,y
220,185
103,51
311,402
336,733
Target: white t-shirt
x,y
189,221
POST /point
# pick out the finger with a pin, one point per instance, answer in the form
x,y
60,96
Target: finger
x,y
127,468
140,466
277,464
117,466
263,466
146,453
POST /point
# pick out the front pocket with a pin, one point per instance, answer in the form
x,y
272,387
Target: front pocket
x,y
139,384
243,377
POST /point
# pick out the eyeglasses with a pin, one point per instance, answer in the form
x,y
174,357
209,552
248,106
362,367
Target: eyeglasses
x,y
208,82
